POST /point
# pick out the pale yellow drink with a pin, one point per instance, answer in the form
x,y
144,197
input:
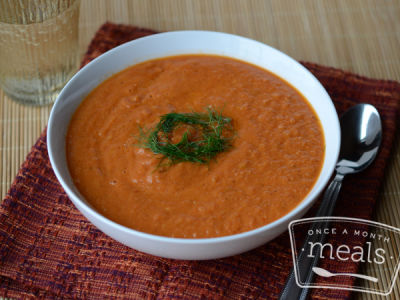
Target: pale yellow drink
x,y
38,48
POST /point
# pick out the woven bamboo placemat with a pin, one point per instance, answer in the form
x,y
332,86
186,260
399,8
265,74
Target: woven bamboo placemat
x,y
360,36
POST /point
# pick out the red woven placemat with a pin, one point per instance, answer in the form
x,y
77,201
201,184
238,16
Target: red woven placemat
x,y
48,249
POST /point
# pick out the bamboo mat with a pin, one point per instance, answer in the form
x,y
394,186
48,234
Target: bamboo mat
x,y
361,36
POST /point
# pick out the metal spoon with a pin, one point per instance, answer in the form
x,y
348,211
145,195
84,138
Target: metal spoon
x,y
361,135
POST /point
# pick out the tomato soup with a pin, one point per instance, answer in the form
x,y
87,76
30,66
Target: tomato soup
x,y
274,161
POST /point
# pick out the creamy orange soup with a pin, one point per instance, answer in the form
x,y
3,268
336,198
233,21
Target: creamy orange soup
x,y
275,158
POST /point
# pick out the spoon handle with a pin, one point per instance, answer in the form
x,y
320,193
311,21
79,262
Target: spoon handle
x,y
292,290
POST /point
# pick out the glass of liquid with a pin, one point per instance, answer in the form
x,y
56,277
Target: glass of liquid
x,y
38,48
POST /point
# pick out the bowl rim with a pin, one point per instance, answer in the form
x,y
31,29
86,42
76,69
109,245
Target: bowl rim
x,y
76,198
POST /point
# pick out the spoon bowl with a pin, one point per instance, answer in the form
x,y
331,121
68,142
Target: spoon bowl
x,y
361,137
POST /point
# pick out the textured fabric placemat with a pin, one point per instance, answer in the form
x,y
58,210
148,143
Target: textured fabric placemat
x,y
48,249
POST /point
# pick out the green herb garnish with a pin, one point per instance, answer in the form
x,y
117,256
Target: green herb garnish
x,y
204,136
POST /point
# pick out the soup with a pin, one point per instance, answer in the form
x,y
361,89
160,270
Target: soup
x,y
274,159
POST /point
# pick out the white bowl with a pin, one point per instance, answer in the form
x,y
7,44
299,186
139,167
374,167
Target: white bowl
x,y
190,42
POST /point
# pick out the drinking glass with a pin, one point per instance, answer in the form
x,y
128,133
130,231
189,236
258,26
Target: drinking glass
x,y
38,48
